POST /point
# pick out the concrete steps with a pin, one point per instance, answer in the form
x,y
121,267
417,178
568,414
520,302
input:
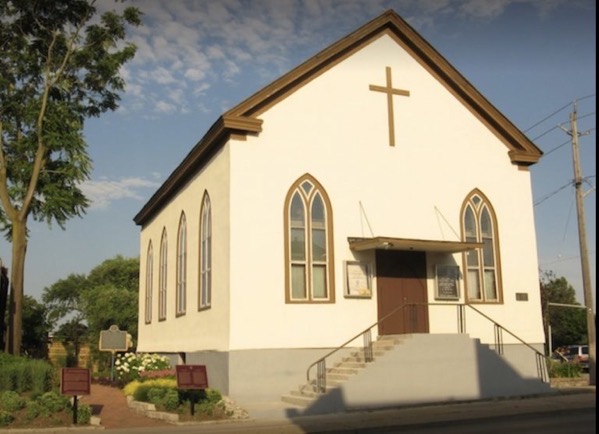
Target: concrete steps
x,y
341,372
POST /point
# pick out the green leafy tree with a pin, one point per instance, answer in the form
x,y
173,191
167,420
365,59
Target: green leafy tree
x,y
112,299
568,324
119,271
64,302
63,298
59,66
36,328
107,296
72,334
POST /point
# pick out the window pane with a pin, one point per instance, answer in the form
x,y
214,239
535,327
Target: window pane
x,y
298,245
307,186
473,285
488,258
470,223
472,258
490,287
317,214
319,283
486,228
298,282
297,212
319,245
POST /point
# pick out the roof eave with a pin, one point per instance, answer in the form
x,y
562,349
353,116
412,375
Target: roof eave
x,y
218,134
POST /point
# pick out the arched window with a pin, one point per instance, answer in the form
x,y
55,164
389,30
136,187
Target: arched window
x,y
162,278
205,294
149,282
309,275
182,266
479,224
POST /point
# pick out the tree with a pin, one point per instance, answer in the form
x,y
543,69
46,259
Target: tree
x,y
64,300
568,325
36,329
58,67
107,295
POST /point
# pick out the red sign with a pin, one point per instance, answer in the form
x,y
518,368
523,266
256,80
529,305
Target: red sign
x,y
75,381
192,377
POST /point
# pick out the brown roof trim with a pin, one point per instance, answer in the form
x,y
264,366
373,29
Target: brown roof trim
x,y
522,150
242,119
217,135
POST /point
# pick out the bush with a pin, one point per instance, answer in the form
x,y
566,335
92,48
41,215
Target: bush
x,y
131,388
130,366
53,402
25,375
564,370
11,401
5,418
155,395
84,414
34,409
170,400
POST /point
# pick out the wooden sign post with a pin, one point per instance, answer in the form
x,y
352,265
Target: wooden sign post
x,y
75,381
192,377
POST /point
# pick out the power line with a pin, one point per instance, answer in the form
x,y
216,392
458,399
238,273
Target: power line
x,y
557,111
560,126
547,196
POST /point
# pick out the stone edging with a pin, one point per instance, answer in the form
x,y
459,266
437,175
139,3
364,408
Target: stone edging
x,y
149,410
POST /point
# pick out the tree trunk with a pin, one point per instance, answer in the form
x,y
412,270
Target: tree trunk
x,y
17,272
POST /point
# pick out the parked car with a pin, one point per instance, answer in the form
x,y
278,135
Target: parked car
x,y
578,354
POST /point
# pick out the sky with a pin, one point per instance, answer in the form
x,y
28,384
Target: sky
x,y
532,59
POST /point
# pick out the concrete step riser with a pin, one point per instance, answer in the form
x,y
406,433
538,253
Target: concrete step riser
x,y
349,366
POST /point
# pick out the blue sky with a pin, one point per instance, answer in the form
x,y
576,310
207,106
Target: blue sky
x,y
530,58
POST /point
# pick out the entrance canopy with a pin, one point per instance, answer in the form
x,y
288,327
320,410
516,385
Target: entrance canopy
x,y
389,243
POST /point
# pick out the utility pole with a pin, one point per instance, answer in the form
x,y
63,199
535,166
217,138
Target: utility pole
x,y
582,236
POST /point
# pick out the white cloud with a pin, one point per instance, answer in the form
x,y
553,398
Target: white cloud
x,y
205,45
103,192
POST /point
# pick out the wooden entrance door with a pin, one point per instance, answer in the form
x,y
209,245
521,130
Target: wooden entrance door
x,y
401,279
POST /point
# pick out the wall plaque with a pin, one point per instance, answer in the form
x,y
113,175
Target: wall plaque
x,y
357,279
447,282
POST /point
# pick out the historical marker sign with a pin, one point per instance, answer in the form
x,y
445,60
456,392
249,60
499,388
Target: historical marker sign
x,y
192,377
75,381
113,339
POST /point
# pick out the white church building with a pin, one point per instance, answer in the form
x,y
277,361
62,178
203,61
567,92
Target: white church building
x,y
371,189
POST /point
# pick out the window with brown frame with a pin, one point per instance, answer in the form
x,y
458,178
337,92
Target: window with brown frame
x,y
309,276
482,276
149,283
182,266
205,293
162,278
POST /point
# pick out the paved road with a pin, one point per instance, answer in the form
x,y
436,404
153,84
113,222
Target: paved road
x,y
571,413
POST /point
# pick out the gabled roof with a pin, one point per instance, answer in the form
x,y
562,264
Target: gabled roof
x,y
242,119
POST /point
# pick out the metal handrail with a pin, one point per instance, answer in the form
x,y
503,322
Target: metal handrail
x,y
321,363
323,372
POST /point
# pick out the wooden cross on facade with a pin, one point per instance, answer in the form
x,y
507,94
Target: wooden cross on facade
x,y
388,89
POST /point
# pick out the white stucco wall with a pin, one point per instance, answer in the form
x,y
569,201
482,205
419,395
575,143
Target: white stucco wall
x,y
196,330
336,129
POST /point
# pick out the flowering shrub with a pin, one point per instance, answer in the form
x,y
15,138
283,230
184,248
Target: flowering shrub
x,y
130,366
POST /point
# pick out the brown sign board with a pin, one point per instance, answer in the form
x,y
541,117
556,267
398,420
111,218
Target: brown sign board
x,y
75,381
113,340
192,377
